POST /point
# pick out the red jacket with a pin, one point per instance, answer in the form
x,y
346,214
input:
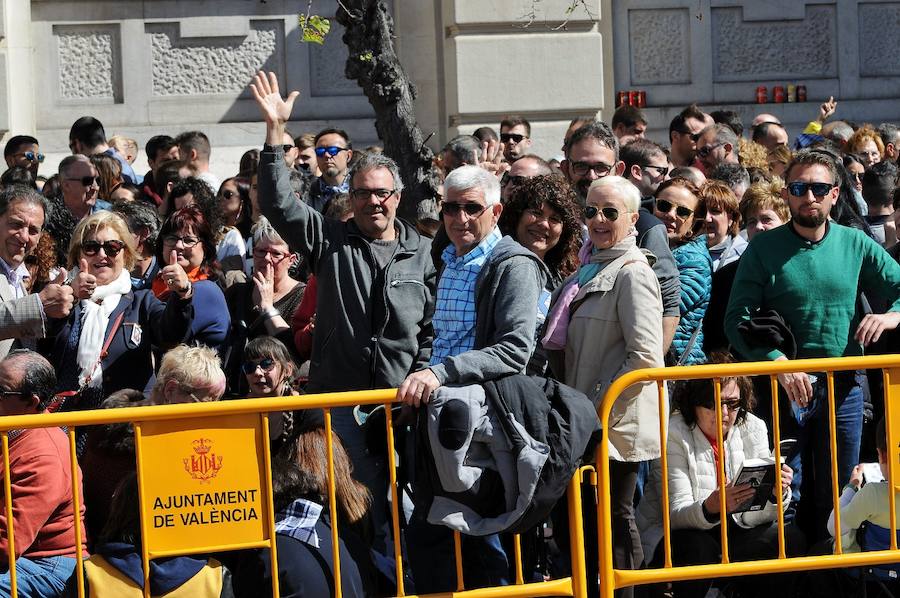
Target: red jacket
x,y
41,482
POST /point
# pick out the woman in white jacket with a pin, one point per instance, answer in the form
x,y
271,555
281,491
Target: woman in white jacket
x,y
694,507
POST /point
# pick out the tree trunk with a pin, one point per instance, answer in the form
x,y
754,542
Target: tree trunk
x,y
373,63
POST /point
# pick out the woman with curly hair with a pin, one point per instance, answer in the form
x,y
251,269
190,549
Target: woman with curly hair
x,y
867,144
542,215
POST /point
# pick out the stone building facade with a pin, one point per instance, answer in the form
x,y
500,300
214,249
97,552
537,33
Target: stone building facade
x,y
145,67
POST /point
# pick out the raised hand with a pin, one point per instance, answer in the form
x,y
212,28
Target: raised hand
x,y
264,288
175,277
84,283
491,158
827,109
274,108
57,297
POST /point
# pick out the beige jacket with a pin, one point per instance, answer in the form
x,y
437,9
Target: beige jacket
x,y
615,327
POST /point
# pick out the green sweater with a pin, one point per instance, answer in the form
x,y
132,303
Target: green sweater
x,y
814,286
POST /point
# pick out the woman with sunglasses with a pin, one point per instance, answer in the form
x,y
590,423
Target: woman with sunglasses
x,y
105,343
606,320
694,508
683,211
186,239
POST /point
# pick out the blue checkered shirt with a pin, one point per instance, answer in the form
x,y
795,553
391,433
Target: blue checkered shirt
x,y
454,310
298,521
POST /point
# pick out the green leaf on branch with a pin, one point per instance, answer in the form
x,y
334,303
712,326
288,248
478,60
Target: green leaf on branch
x,y
366,56
314,28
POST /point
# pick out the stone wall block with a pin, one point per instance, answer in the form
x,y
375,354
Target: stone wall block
x,y
660,46
90,63
878,55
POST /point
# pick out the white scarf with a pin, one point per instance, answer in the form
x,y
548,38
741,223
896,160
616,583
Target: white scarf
x,y
94,320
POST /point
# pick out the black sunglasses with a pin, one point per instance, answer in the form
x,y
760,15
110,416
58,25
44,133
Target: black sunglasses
x,y
451,208
706,150
110,248
798,189
331,150
267,363
287,147
611,214
666,206
514,137
87,181
660,170
514,180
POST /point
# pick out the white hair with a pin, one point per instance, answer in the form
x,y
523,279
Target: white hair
x,y
623,188
469,177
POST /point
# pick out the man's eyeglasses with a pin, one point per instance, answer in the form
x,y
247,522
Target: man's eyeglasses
x,y
87,181
110,248
331,150
267,363
798,189
364,194
599,168
187,241
666,207
706,150
611,214
514,137
451,208
31,156
660,170
10,393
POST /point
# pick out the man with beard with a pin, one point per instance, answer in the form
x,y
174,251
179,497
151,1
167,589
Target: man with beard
x,y
592,152
810,271
333,154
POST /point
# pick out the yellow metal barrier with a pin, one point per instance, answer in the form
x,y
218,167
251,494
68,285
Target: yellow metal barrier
x,y
148,419
612,579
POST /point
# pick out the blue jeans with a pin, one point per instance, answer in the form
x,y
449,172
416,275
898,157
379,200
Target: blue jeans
x,y
433,563
39,578
813,456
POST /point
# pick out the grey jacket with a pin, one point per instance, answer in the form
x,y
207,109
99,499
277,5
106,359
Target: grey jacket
x,y
506,299
371,331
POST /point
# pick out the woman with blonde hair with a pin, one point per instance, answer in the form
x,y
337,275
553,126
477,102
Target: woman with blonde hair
x,y
723,220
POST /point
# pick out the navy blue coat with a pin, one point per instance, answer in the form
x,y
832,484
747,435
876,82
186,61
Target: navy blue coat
x,y
147,322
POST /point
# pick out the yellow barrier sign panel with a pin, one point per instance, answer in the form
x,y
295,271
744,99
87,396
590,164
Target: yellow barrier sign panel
x,y
203,482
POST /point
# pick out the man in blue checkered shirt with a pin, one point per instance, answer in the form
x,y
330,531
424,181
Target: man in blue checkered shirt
x,y
484,328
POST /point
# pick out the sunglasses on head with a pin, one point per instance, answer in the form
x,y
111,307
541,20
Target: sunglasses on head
x,y
87,181
514,137
331,150
798,189
110,248
666,206
611,214
267,363
451,208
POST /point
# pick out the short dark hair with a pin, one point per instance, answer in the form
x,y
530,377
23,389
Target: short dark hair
x,y
464,148
204,198
689,394
332,131
194,140
888,132
628,116
515,120
640,152
17,141
18,175
15,193
678,123
806,157
38,376
594,130
483,134
138,215
158,143
194,217
731,174
879,182
169,171
88,131
730,118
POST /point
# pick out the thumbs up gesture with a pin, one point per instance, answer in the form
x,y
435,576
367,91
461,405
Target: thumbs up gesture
x,y
85,282
175,277
57,298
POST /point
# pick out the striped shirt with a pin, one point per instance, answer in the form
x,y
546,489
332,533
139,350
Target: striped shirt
x,y
454,310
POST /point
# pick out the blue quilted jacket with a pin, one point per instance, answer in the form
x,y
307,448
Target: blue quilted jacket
x,y
695,274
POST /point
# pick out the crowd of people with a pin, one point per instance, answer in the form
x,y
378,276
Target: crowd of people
x,y
297,275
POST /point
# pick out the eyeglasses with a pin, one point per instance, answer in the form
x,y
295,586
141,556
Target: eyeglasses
x,y
275,255
331,150
666,207
31,156
10,393
732,405
706,150
110,248
267,363
364,194
515,181
660,170
611,214
187,241
514,137
87,181
600,169
451,208
799,189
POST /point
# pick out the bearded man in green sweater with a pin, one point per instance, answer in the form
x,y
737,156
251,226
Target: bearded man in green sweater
x,y
811,271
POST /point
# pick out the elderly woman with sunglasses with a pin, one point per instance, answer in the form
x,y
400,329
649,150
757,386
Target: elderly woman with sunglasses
x,y
682,209
105,343
606,320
